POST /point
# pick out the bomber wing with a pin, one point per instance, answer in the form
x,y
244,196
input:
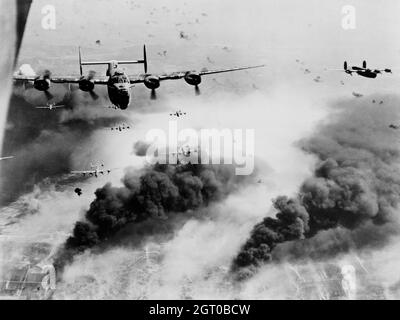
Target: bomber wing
x,y
24,78
181,74
76,79
83,172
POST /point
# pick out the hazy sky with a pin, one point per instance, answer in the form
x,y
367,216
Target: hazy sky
x,y
314,26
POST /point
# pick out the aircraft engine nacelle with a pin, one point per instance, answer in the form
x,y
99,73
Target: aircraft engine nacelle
x,y
41,84
86,84
152,82
193,78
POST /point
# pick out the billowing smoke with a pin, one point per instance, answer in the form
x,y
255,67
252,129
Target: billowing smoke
x,y
42,141
140,148
160,191
350,202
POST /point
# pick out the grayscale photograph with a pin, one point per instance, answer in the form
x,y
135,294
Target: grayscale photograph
x,y
199,150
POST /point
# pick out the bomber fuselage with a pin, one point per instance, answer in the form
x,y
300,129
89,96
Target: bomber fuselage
x,y
118,86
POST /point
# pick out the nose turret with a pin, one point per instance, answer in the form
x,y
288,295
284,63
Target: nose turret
x,y
123,88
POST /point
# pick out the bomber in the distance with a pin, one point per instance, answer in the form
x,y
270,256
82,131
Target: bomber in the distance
x,y
362,71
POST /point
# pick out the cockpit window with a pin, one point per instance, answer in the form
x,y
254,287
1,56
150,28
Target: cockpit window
x,y
120,79
124,79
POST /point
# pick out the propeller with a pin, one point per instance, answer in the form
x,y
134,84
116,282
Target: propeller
x,y
48,95
153,94
47,75
93,94
197,90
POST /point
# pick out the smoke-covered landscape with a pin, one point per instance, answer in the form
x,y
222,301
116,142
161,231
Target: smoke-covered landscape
x,y
317,218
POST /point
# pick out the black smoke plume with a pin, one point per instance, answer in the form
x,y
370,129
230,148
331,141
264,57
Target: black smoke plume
x,y
350,202
161,191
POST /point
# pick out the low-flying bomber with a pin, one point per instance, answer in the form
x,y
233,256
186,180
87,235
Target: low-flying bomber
x,y
184,154
120,127
185,151
95,170
118,83
51,106
357,95
177,114
363,71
